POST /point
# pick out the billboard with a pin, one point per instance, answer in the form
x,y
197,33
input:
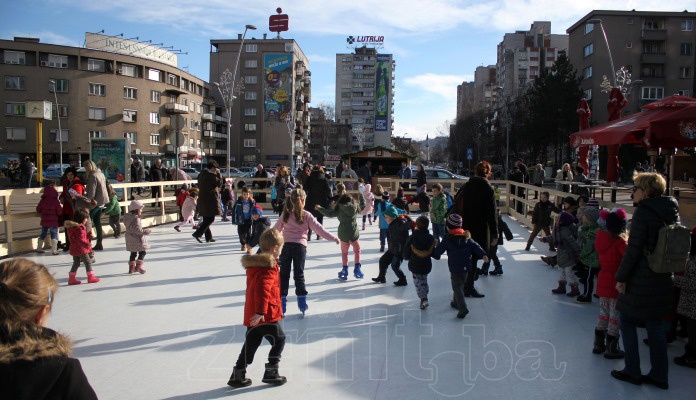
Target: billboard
x,y
277,93
112,157
119,45
382,92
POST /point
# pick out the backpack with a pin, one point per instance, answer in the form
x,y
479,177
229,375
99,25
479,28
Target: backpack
x,y
672,249
457,205
450,201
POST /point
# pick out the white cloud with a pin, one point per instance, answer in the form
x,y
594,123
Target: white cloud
x,y
318,58
443,85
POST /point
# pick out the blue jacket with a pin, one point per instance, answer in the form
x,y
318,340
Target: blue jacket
x,y
460,248
379,212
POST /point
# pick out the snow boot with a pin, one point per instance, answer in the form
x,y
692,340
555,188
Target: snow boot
x,y
238,378
401,282
91,278
284,302
40,245
54,247
561,289
139,266
131,267
302,305
72,280
343,275
497,271
363,226
574,292
613,351
599,346
357,272
271,375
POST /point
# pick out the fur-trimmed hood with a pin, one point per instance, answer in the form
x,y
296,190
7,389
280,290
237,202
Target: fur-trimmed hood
x,y
258,261
70,224
422,243
32,343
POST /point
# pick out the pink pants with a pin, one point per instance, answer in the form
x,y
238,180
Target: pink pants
x,y
344,251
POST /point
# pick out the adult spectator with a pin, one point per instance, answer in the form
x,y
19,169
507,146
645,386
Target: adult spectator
x,y
517,176
405,173
580,178
349,173
645,296
421,177
380,170
284,180
262,173
137,174
537,178
475,202
158,173
365,172
99,195
36,361
318,193
26,169
178,174
564,174
339,168
209,182
302,175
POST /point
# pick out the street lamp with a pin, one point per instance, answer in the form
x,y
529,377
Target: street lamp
x,y
507,132
227,79
597,21
60,131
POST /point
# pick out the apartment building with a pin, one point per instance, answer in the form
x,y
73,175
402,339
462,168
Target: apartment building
x,y
656,48
270,115
465,99
328,139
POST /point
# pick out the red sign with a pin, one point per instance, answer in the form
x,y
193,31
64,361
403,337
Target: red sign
x,y
278,23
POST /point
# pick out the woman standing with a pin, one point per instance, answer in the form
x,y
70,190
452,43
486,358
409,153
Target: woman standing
x,y
284,180
421,177
209,182
645,295
318,193
564,175
97,192
538,176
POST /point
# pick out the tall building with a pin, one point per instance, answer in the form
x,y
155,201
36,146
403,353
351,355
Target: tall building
x,y
365,95
325,132
485,83
112,88
657,48
465,99
270,115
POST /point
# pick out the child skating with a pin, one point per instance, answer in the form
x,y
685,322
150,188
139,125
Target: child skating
x,y
259,225
188,211
80,247
242,216
50,209
136,242
418,251
399,229
369,197
113,210
347,212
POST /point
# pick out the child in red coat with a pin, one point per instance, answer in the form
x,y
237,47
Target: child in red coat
x,y
50,209
80,247
262,310
610,245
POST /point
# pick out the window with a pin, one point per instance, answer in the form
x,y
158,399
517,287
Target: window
x,y
64,134
629,45
687,25
685,72
587,73
127,70
345,95
654,24
61,86
130,93
629,21
97,113
251,63
63,110
249,111
250,127
249,142
130,115
97,89
587,94
153,75
685,49
249,95
95,65
16,134
198,108
97,134
654,47
171,79
57,61
346,104
14,57
250,79
192,106
184,102
589,28
288,47
154,118
15,82
652,93
588,50
652,70
192,124
132,136
250,158
154,139
154,96
14,108
252,48
683,92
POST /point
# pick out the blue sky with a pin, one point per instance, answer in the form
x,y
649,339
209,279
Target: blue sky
x,y
437,44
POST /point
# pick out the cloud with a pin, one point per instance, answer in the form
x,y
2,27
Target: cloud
x,y
443,85
318,58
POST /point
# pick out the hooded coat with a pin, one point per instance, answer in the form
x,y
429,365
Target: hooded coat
x,y
610,250
68,203
479,211
188,209
460,247
347,214
565,238
35,364
79,238
262,289
49,207
369,198
135,234
209,194
318,191
418,250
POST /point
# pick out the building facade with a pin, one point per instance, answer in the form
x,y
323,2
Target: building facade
x,y
658,49
465,99
270,115
365,95
101,94
325,132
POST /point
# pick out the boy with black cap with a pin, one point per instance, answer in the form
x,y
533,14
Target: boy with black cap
x,y
259,224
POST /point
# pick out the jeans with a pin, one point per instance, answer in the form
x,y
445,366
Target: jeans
x,y
293,256
439,231
458,282
254,336
204,228
46,229
95,214
657,339
383,235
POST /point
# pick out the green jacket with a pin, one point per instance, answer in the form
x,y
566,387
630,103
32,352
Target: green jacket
x,y
586,240
112,208
438,208
347,219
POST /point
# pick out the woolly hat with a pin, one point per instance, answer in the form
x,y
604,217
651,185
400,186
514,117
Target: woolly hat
x,y
391,212
385,195
566,218
135,205
592,214
593,202
616,221
257,210
454,221
570,200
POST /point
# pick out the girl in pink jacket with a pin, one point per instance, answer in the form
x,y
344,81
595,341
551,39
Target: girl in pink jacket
x,y
295,223
366,191
188,210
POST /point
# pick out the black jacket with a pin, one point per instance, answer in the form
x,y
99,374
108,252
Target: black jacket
x,y
648,294
35,364
399,231
418,251
209,183
421,178
541,215
158,174
318,191
258,227
478,211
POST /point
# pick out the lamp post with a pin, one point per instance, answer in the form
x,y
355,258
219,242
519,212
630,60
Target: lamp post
x,y
597,21
60,131
507,132
227,80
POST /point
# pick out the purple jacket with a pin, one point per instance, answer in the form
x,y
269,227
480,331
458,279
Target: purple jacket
x,y
49,207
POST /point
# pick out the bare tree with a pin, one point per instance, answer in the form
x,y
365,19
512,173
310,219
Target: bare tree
x,y
323,126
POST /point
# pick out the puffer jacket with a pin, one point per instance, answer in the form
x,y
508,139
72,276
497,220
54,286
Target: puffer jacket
x,y
369,198
135,234
347,214
258,226
610,250
418,251
564,237
460,248
399,231
586,242
35,364
262,288
113,208
648,294
318,191
79,238
49,207
541,216
438,208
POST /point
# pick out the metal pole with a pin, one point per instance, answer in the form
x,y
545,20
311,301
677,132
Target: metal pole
x,y
60,131
598,21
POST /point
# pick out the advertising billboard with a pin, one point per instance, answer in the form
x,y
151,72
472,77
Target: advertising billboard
x,y
277,93
382,92
112,156
128,47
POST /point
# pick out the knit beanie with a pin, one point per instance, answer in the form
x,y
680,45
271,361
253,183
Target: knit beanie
x,y
391,212
385,195
592,214
593,202
257,210
454,221
566,218
616,221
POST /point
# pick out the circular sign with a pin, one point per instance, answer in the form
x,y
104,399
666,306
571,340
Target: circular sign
x,y
281,96
273,77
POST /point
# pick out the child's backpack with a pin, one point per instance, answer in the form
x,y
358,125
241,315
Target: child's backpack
x,y
672,249
448,196
237,213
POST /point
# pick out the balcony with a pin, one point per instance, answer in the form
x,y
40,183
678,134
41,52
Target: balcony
x,y
653,58
208,117
220,118
215,152
176,108
208,134
654,34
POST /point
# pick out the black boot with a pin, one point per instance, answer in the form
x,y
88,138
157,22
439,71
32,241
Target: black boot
x,y
271,375
497,271
484,268
380,279
613,350
98,245
599,345
238,378
401,282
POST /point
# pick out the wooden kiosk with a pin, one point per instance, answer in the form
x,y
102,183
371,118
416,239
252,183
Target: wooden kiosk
x,y
389,158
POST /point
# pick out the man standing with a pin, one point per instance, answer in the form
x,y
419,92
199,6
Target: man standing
x,y
137,173
405,173
158,173
26,169
339,168
261,173
365,172
348,173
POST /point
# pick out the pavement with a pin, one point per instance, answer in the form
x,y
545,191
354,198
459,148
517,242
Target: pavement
x,y
176,331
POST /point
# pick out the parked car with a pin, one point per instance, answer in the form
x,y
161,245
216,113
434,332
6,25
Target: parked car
x,y
193,173
53,171
437,173
248,170
233,172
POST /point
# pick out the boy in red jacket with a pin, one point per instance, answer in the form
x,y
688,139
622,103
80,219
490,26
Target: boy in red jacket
x,y
262,310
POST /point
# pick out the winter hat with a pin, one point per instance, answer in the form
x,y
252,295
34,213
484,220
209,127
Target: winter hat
x,y
616,221
288,191
566,218
391,212
593,202
135,205
592,214
570,200
385,195
257,210
454,221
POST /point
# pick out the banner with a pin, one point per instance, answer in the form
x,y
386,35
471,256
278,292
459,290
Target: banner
x,y
120,45
112,157
382,92
277,101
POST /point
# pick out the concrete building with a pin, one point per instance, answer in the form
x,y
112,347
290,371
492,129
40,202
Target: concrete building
x,y
326,132
485,82
657,48
465,99
101,94
365,95
270,116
